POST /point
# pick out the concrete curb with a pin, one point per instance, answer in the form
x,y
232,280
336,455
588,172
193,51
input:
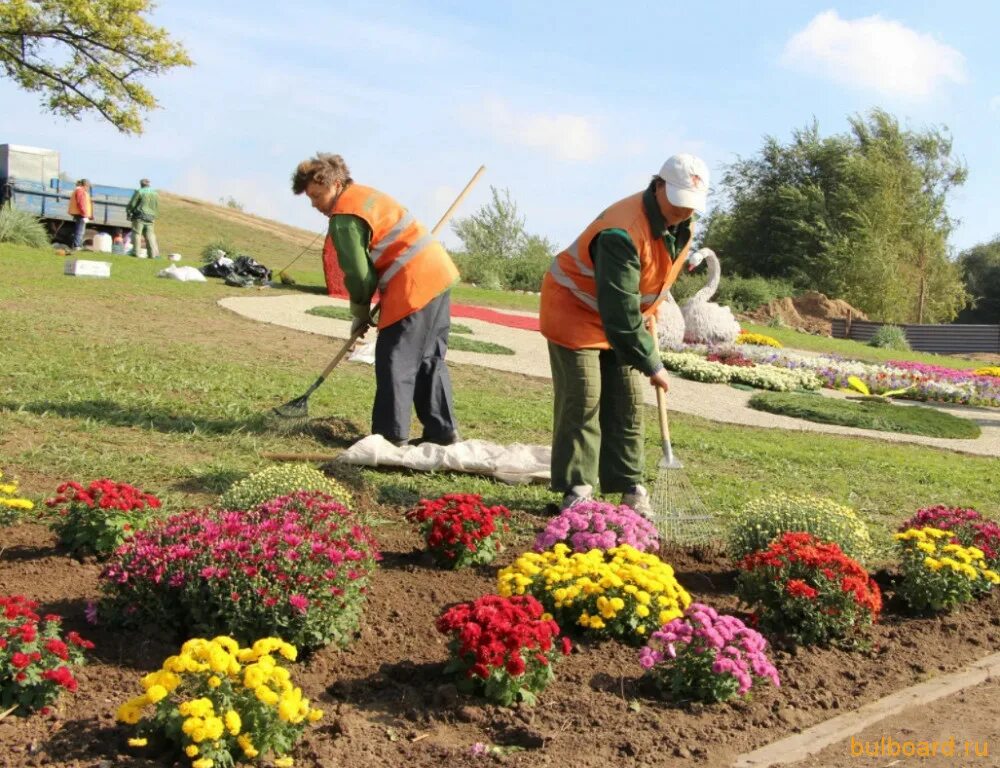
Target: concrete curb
x,y
817,738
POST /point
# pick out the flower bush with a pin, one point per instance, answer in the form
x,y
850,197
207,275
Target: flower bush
x,y
219,704
35,661
599,525
621,593
989,370
705,656
281,480
694,366
937,575
758,339
502,647
809,591
762,520
968,527
95,519
296,567
11,506
730,357
459,529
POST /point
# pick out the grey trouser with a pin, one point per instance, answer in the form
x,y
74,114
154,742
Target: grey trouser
x,y
145,229
410,371
597,430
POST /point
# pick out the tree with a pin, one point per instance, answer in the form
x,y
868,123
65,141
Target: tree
x,y
861,216
495,231
87,55
981,267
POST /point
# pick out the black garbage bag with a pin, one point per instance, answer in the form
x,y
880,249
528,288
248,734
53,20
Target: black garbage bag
x,y
242,272
222,267
247,266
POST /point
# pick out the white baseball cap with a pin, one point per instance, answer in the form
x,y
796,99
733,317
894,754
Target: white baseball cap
x,y
687,181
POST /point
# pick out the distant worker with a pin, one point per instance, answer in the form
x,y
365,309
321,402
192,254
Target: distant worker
x,y
143,209
379,244
597,298
81,208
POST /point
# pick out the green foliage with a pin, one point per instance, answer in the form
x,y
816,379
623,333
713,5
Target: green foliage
x,y
981,269
463,344
868,414
21,228
742,294
861,216
890,337
211,251
936,575
762,520
87,56
279,480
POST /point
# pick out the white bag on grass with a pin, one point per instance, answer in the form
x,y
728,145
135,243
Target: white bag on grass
x,y
184,274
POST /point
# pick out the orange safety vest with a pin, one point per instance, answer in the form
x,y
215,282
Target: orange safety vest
x,y
75,206
569,315
413,268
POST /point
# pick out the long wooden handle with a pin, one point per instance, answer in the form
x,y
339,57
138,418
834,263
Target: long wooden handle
x,y
661,396
458,200
298,457
343,351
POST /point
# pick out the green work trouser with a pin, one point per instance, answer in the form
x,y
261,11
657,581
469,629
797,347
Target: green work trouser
x,y
597,420
143,230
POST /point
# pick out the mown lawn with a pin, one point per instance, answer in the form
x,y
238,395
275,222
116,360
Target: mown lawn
x,y
149,381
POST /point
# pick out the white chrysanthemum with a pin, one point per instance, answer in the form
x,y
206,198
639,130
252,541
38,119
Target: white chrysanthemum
x,y
280,480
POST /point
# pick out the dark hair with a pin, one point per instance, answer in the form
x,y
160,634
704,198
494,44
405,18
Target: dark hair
x,y
324,169
143,182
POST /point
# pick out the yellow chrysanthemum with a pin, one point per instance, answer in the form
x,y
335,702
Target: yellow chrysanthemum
x,y
138,742
191,750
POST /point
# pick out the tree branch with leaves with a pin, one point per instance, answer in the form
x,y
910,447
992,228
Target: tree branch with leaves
x,y
87,56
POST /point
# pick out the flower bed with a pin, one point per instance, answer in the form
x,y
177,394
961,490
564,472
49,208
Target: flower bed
x,y
758,339
502,647
11,506
969,528
598,525
95,519
705,656
621,593
459,529
937,575
808,591
35,661
219,704
296,567
696,367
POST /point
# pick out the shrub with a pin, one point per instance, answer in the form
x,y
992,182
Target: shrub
x,y
808,591
459,529
96,519
219,704
889,337
502,647
11,506
525,273
705,656
620,593
745,294
968,528
34,659
210,252
936,575
281,480
758,339
599,525
763,520
21,228
296,567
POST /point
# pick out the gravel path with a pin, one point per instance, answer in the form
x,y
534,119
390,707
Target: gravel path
x,y
710,401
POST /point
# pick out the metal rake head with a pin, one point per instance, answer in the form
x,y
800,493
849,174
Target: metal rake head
x,y
680,516
293,409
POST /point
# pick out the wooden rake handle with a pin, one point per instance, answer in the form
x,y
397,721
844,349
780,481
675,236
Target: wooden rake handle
x,y
661,396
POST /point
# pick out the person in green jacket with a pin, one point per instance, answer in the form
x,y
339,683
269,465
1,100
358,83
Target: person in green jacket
x,y
143,209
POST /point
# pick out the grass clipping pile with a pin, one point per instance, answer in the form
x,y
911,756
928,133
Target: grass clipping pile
x,y
810,312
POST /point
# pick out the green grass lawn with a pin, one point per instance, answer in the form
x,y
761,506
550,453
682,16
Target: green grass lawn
x,y
867,414
149,381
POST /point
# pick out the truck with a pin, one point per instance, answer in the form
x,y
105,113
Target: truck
x,y
30,181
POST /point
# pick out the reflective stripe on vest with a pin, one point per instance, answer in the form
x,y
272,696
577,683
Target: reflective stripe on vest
x,y
391,236
563,279
404,258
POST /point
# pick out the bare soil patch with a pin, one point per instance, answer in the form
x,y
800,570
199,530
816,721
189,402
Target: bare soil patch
x,y
810,312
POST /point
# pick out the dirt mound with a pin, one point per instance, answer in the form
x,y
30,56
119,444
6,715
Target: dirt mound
x,y
810,312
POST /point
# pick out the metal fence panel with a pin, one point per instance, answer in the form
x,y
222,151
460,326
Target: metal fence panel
x,y
940,339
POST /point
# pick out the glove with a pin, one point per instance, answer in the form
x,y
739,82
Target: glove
x,y
359,327
362,319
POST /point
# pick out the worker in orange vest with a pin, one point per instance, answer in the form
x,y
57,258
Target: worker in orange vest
x,y
379,245
597,299
81,208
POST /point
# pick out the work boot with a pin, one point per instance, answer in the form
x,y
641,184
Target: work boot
x,y
576,495
448,439
638,499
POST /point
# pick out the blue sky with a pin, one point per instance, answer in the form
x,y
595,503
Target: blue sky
x,y
569,105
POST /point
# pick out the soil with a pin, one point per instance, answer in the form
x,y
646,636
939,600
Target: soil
x,y
388,703
811,312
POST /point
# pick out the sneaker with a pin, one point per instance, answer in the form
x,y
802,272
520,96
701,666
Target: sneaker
x,y
638,499
576,495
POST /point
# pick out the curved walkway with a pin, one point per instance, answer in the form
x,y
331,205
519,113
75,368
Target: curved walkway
x,y
711,401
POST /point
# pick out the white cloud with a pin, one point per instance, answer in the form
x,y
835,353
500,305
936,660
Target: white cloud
x,y
875,54
568,137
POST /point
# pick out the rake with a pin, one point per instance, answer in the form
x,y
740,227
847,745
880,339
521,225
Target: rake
x,y
299,407
680,516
